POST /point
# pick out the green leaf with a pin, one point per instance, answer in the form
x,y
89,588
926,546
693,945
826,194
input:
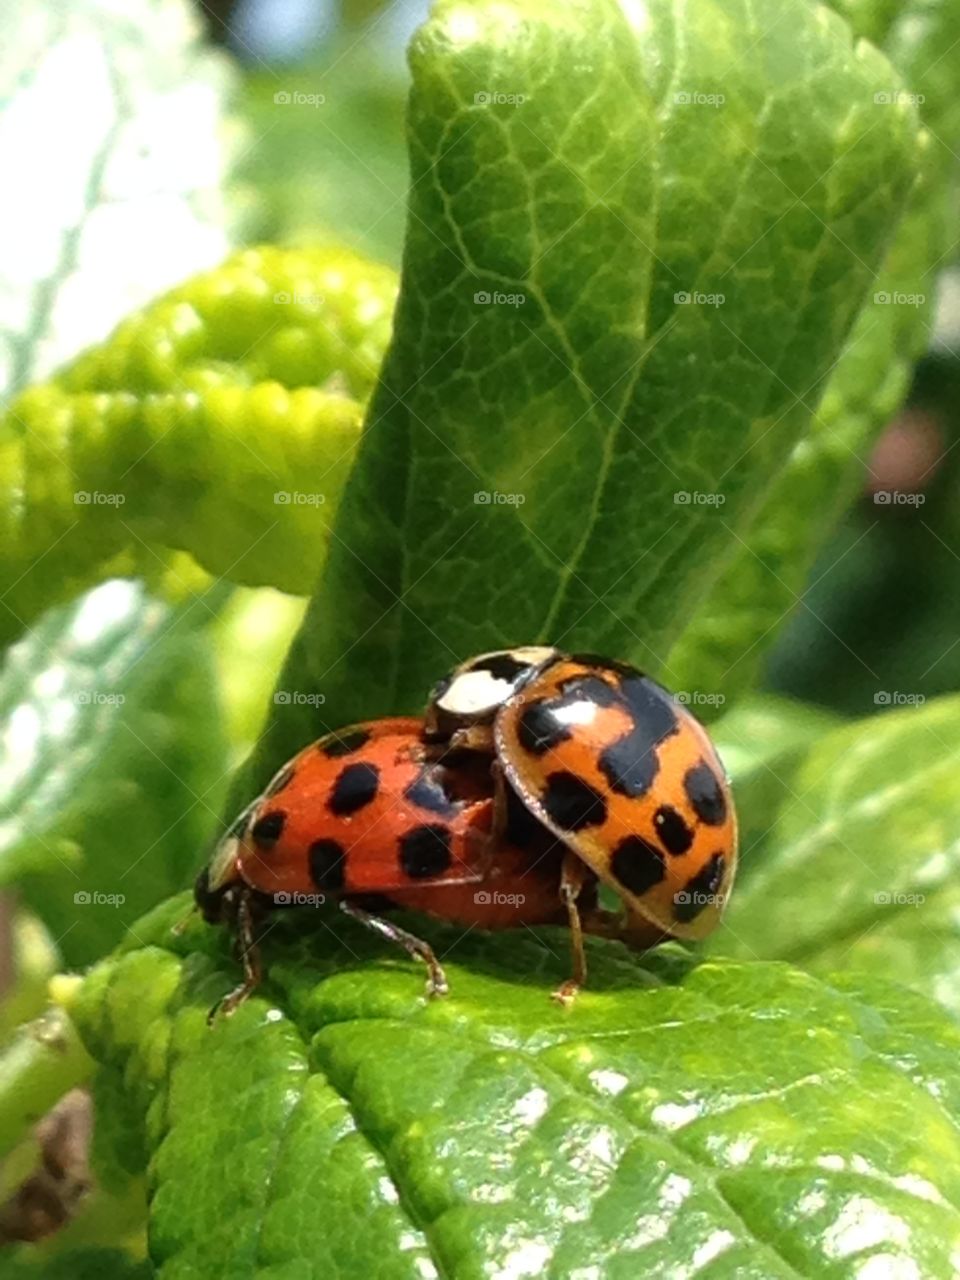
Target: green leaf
x,y
583,387
115,763
859,869
738,620
221,421
748,1119
762,742
112,138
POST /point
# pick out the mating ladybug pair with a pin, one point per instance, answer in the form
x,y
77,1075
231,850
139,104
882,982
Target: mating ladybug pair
x,y
533,776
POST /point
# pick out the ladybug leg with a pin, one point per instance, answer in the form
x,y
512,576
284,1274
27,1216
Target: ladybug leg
x,y
178,928
249,957
573,878
501,809
437,980
605,924
474,737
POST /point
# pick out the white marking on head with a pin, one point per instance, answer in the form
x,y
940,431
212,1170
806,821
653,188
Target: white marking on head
x,y
532,654
473,692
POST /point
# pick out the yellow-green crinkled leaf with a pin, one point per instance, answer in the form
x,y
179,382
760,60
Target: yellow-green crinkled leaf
x,y
221,421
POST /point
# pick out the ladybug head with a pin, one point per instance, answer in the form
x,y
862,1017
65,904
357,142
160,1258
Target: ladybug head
x,y
474,692
211,902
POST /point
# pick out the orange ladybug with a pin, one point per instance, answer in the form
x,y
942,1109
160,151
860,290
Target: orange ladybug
x,y
365,818
605,759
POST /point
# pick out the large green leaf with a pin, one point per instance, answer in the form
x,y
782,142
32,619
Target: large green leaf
x,y
113,150
861,864
747,1120
579,173
738,620
113,762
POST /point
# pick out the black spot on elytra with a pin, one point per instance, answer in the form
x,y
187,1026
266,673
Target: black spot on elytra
x,y
280,780
705,794
700,890
426,791
572,803
425,851
654,711
630,764
522,828
582,688
327,861
266,831
637,864
622,669
355,787
343,742
538,728
675,836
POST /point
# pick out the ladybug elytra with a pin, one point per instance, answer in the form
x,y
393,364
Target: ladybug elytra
x,y
365,819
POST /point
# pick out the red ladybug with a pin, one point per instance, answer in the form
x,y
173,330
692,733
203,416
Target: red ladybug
x,y
365,818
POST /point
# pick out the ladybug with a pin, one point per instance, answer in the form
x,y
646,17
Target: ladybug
x,y
607,760
365,817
